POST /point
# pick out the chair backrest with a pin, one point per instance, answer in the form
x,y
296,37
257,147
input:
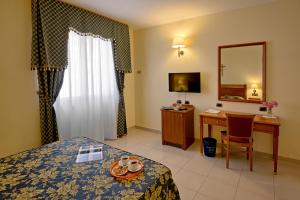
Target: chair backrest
x,y
240,125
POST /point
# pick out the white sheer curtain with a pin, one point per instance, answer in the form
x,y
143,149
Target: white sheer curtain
x,y
87,104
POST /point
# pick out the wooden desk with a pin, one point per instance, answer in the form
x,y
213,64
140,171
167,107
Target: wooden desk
x,y
261,124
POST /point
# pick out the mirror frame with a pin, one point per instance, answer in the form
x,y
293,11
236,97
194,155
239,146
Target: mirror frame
x,y
264,63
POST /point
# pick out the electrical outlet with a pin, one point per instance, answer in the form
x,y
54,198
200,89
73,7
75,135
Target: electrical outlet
x,y
178,101
263,109
220,105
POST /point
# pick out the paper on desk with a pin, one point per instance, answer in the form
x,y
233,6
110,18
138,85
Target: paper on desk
x,y
213,111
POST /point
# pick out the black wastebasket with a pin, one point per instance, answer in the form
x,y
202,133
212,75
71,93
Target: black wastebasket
x,y
210,146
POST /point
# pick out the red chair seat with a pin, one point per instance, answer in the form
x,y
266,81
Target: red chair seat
x,y
234,139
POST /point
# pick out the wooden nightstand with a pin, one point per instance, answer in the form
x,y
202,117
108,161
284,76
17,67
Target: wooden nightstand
x,y
178,127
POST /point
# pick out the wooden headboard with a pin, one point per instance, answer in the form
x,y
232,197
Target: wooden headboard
x,y
234,90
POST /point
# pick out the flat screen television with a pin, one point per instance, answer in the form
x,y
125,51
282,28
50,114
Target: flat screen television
x,y
185,82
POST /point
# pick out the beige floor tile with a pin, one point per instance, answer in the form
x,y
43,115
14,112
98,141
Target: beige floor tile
x,y
250,194
137,149
263,166
189,180
288,172
185,193
200,196
255,190
214,189
174,168
124,143
250,188
236,162
174,159
287,179
200,165
155,155
287,186
167,148
259,176
289,192
151,141
226,176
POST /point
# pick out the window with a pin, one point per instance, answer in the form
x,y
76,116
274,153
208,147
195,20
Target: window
x,y
88,101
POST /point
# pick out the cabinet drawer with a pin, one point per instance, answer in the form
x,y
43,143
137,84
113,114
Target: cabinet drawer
x,y
264,128
208,120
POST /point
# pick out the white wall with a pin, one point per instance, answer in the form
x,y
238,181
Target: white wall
x,y
277,23
19,112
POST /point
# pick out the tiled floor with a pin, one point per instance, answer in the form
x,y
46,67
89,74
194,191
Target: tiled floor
x,y
202,178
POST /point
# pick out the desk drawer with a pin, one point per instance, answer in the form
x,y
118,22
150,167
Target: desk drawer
x,y
222,122
263,128
212,121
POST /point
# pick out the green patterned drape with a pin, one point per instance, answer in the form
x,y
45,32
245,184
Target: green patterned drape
x,y
121,126
51,22
50,83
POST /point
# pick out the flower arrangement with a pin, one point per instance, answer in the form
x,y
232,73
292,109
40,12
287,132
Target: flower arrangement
x,y
270,105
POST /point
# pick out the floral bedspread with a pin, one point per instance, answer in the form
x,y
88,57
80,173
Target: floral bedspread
x,y
51,172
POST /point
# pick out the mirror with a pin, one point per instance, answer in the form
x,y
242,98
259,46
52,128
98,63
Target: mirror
x,y
242,76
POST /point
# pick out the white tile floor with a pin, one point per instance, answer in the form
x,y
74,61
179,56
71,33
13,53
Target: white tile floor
x,y
201,178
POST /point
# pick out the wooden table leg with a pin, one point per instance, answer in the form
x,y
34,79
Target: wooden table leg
x,y
275,147
201,134
209,130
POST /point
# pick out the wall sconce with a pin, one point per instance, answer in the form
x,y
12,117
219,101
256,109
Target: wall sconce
x,y
254,92
178,43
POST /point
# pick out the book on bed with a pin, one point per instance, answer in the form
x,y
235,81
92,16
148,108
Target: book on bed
x,y
89,153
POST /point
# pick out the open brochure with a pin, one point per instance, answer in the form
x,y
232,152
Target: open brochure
x,y
89,153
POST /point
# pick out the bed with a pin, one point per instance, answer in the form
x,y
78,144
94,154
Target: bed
x,y
50,172
233,91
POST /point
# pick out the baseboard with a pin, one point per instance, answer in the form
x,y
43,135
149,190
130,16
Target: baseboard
x,y
148,129
269,156
131,127
289,159
261,154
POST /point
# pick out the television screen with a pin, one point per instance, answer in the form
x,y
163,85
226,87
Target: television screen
x,y
185,82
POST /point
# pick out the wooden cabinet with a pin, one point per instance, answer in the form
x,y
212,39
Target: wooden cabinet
x,y
178,127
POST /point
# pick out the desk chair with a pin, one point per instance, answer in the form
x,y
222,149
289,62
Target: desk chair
x,y
239,130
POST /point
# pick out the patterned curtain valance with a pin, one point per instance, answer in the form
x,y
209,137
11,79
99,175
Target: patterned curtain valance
x,y
52,20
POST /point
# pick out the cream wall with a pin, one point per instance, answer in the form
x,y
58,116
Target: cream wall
x,y
277,23
19,112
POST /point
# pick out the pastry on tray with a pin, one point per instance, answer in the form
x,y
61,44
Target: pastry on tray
x,y
121,170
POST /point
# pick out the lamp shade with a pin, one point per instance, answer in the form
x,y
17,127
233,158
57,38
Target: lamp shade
x,y
255,85
178,42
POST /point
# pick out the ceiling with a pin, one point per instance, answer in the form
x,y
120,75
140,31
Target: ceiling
x,y
146,13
